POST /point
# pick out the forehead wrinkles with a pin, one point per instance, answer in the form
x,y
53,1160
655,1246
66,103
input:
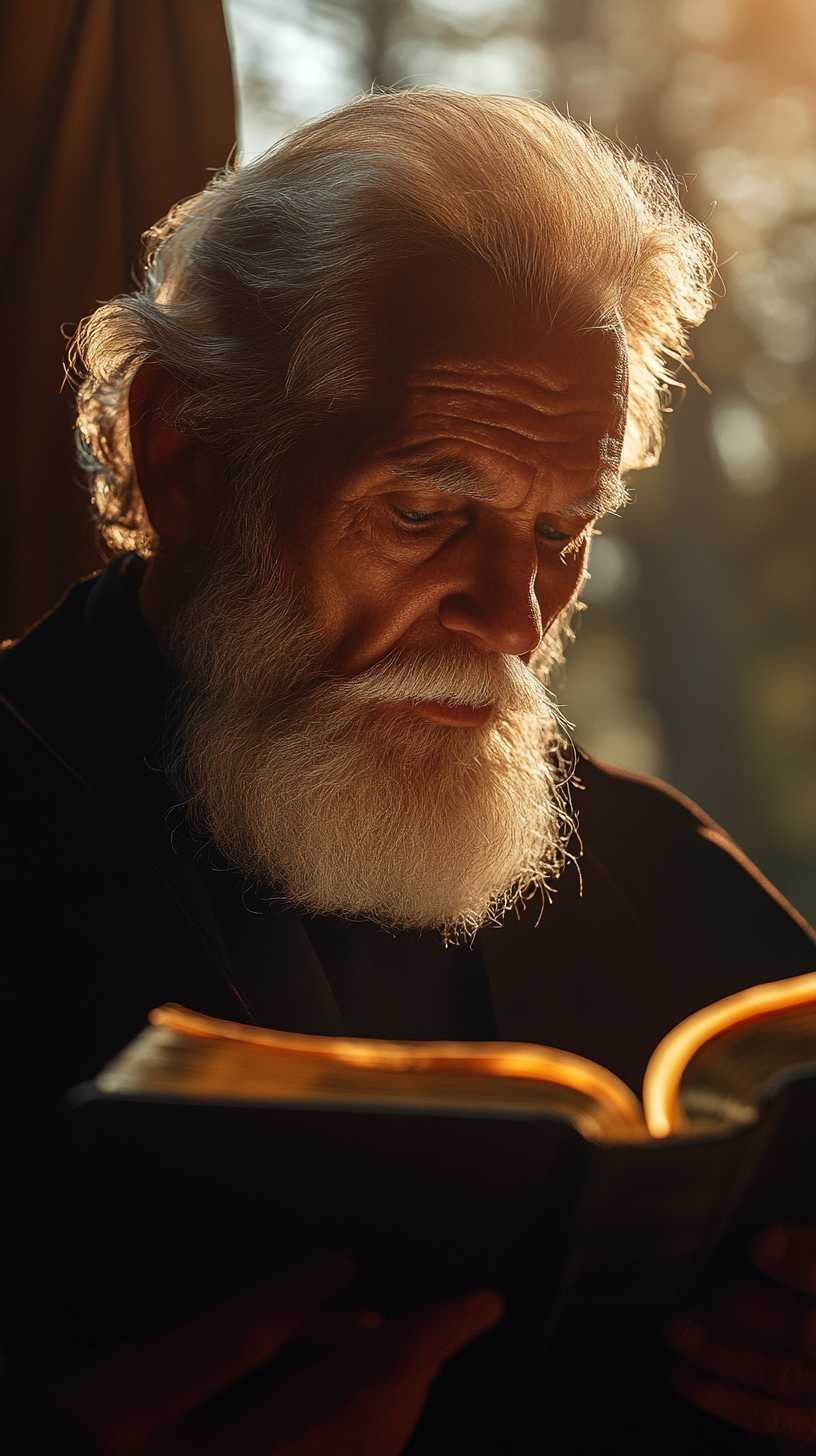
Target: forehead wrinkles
x,y
578,442
585,455
513,401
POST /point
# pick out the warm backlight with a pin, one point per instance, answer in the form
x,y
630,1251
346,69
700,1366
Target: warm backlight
x,y
661,1085
498,1059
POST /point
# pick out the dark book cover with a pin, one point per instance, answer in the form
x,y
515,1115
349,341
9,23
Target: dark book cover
x,y
153,1206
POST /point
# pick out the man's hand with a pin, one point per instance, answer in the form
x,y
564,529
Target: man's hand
x,y
181,1393
749,1349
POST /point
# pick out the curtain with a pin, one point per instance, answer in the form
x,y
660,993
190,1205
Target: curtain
x,y
111,111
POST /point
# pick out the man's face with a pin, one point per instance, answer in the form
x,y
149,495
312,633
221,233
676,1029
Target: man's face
x,y
463,515
373,743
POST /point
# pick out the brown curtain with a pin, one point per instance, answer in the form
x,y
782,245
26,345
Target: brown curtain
x,y
110,111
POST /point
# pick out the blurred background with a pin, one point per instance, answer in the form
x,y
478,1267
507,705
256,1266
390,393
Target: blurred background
x,y
696,657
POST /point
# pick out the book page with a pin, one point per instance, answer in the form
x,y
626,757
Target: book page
x,y
184,1053
776,1026
733,1074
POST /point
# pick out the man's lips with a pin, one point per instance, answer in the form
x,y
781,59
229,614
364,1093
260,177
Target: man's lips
x,y
459,715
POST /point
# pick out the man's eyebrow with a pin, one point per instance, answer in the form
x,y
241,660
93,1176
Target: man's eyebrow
x,y
455,477
449,477
610,495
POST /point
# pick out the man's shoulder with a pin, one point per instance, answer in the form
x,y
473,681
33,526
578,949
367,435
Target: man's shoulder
x,y
59,682
37,676
661,848
61,621
44,661
603,791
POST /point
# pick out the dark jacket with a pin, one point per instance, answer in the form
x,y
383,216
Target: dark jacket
x,y
107,915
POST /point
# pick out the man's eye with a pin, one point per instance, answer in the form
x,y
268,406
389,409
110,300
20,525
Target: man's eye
x,y
551,534
415,517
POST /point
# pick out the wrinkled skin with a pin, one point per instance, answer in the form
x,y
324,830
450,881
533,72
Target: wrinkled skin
x,y
511,436
464,514
459,509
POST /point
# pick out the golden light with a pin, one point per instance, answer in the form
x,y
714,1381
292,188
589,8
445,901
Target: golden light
x,y
661,1085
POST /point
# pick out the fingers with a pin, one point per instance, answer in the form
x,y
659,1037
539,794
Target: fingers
x,y
792,1427
763,1312
749,1350
735,1357
238,1334
134,1389
332,1327
364,1399
787,1252
182,1391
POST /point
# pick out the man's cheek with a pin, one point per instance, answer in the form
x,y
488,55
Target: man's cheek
x,y
557,584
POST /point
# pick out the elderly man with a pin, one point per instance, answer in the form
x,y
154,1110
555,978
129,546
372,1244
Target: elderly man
x,y
291,759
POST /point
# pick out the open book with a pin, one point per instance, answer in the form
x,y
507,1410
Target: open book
x,y
206,1150
711,1072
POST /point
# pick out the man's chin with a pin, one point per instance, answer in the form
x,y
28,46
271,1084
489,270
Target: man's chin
x,y
420,860
455,917
397,806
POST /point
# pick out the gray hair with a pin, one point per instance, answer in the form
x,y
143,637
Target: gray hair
x,y
259,294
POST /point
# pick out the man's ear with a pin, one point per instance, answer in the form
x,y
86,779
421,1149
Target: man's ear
x,y
179,478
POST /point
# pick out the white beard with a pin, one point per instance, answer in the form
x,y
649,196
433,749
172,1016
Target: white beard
x,y
341,804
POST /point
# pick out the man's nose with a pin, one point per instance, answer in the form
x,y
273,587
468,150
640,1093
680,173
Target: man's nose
x,y
492,600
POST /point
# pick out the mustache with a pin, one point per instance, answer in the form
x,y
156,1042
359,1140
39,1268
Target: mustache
x,y
457,674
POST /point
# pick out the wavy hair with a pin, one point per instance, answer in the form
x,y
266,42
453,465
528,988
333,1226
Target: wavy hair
x,y
259,294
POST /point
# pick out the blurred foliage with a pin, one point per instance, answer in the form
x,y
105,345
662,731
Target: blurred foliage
x,y
696,657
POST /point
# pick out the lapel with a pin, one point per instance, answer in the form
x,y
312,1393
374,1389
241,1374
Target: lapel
x,y
60,682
